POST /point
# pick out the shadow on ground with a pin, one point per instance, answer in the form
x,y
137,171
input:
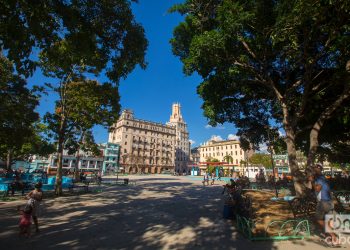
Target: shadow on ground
x,y
157,213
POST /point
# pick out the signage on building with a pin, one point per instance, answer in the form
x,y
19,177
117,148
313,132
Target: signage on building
x,y
280,157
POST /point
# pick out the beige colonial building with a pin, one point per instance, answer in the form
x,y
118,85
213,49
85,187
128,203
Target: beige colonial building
x,y
221,150
182,143
146,147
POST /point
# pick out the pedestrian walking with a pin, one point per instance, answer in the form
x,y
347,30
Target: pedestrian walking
x,y
206,178
35,197
212,178
324,201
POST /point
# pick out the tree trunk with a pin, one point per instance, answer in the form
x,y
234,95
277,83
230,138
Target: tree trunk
x,y
61,134
77,157
9,159
76,167
313,144
298,176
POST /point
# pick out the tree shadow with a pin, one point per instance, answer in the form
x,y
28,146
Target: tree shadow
x,y
151,215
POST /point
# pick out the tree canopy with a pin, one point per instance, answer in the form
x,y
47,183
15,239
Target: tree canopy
x,y
93,32
261,159
269,62
17,109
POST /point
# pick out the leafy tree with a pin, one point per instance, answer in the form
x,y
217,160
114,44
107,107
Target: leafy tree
x,y
105,27
228,158
269,62
212,159
82,105
101,37
261,159
17,105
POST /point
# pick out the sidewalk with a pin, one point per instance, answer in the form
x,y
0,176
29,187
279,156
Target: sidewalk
x,y
160,212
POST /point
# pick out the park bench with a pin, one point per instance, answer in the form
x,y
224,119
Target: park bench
x,y
342,204
297,228
303,207
124,181
80,186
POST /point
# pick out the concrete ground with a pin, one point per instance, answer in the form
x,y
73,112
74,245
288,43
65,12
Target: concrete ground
x,y
159,212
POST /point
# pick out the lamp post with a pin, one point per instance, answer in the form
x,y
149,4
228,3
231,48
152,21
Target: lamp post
x,y
272,162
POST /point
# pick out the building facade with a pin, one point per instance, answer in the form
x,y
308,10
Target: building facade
x,y
145,146
222,151
107,161
195,156
182,142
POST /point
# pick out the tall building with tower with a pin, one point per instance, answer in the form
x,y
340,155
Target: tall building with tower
x,y
182,143
151,147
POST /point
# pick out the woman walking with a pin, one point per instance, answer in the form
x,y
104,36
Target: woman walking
x,y
36,197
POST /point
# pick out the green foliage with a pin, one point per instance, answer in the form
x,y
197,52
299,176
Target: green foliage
x,y
210,169
228,158
17,105
261,159
90,33
87,103
211,159
269,62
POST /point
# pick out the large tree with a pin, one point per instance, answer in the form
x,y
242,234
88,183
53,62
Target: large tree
x,y
104,39
269,62
261,159
17,115
82,105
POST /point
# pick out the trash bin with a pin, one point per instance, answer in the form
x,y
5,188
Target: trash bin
x,y
126,181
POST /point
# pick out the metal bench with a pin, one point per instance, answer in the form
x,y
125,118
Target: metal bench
x,y
303,207
80,185
343,201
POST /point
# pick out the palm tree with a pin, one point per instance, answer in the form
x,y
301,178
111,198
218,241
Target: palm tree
x,y
228,159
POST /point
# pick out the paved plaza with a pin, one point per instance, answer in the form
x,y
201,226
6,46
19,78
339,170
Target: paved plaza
x,y
159,212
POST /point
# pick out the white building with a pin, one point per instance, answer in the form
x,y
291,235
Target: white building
x,y
222,150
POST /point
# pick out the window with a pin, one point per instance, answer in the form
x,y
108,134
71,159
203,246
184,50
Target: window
x,y
126,136
236,152
125,151
235,146
125,143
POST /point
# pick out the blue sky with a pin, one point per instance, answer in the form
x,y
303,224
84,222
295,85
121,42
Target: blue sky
x,y
151,92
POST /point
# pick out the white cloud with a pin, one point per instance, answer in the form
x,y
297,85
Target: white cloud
x,y
281,133
216,138
232,137
192,142
263,148
216,127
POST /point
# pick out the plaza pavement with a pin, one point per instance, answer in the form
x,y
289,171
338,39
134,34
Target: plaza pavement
x,y
159,212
